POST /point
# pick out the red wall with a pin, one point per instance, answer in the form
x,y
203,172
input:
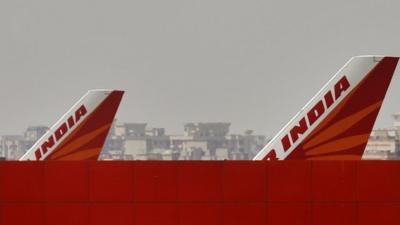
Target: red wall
x,y
200,193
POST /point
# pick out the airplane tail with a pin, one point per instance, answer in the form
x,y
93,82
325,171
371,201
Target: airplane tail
x,y
337,122
81,132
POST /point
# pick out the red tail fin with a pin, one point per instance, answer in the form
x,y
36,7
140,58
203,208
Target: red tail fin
x,y
80,134
338,122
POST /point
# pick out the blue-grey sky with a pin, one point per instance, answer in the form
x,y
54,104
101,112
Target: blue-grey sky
x,y
254,63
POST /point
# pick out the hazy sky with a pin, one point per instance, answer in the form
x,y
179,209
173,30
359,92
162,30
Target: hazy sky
x,y
252,63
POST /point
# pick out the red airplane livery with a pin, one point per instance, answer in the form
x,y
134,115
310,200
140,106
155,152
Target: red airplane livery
x,y
337,122
60,132
334,124
315,113
81,132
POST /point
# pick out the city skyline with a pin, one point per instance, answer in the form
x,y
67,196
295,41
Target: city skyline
x,y
197,141
128,141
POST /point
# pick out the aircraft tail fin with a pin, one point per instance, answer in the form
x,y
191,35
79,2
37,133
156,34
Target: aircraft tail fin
x,y
337,122
81,132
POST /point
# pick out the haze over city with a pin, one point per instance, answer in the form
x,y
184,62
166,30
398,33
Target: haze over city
x,y
252,63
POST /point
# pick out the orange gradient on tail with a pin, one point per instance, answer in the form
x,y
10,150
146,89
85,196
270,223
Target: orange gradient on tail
x,y
86,141
345,131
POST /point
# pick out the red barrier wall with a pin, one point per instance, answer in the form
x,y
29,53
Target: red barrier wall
x,y
200,192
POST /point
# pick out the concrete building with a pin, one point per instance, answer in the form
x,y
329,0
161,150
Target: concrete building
x,y
130,139
130,129
195,150
33,133
12,147
156,139
199,141
135,147
136,141
244,147
384,143
212,141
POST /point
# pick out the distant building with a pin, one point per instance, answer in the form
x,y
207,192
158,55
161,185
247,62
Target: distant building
x,y
200,141
384,143
130,129
136,141
212,141
136,147
156,139
12,147
33,133
246,146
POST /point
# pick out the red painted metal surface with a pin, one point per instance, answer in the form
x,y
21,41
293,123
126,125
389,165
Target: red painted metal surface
x,y
200,192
